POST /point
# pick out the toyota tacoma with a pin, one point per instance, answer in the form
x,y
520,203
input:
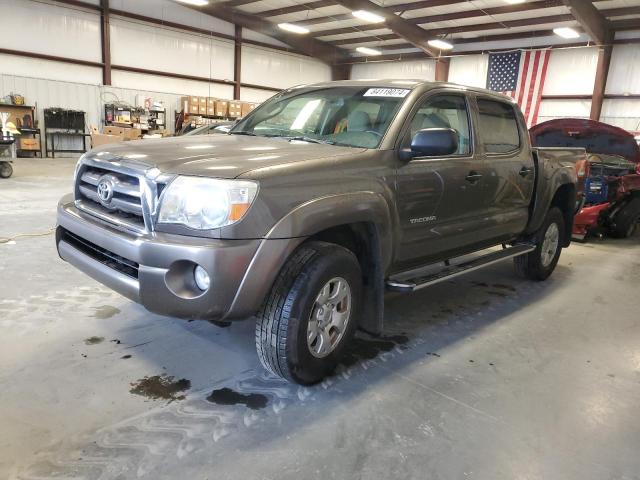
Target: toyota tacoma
x,y
316,203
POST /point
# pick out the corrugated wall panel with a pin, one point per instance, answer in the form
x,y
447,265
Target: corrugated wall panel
x,y
469,70
418,69
170,51
261,66
571,72
50,29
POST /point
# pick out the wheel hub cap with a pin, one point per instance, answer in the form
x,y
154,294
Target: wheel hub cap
x,y
550,245
329,317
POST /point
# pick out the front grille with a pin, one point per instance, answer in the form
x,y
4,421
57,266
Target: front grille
x,y
102,255
118,193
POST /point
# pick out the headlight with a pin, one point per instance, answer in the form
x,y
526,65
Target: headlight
x,y
206,203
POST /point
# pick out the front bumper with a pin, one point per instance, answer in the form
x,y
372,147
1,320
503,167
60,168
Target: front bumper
x,y
156,270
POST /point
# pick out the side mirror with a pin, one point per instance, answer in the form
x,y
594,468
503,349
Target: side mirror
x,y
434,142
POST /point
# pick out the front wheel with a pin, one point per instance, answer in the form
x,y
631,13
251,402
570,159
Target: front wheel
x,y
626,221
540,263
310,314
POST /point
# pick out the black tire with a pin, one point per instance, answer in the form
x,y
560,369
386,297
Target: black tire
x,y
281,329
6,170
626,221
531,265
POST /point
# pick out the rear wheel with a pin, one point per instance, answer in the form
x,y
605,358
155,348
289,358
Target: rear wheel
x,y
540,263
626,221
310,314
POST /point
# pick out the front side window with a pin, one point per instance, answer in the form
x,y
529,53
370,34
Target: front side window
x,y
444,111
498,126
352,116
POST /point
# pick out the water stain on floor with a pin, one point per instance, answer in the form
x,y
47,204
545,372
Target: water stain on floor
x,y
161,387
226,396
369,348
93,340
105,311
504,287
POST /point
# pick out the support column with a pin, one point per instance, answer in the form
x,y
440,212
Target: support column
x,y
341,72
600,85
237,63
442,69
105,31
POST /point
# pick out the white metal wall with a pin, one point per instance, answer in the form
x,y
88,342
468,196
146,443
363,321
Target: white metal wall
x,y
415,69
261,66
469,70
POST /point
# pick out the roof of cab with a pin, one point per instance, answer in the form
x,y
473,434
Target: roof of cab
x,y
410,84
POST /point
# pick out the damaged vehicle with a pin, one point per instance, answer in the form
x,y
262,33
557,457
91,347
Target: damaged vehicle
x,y
314,204
611,201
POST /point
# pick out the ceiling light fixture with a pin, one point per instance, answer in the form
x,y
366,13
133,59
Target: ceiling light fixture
x,y
566,32
514,2
440,44
197,3
368,51
290,27
367,16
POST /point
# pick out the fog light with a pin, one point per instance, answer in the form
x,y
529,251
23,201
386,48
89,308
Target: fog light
x,y
202,278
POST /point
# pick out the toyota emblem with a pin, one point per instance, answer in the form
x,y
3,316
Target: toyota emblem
x,y
105,191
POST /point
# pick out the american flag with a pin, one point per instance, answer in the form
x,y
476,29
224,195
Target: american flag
x,y
520,75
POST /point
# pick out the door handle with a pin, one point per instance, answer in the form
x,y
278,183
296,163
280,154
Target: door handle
x,y
473,177
524,171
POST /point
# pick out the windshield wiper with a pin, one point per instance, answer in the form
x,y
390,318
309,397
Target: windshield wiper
x,y
243,132
309,139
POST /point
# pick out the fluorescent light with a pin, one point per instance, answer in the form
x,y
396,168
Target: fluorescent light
x,y
290,27
566,32
440,44
514,2
368,51
367,16
197,3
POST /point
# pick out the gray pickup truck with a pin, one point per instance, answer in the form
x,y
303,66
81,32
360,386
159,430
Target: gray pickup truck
x,y
316,203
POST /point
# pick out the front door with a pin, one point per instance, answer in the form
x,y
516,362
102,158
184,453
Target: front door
x,y
440,199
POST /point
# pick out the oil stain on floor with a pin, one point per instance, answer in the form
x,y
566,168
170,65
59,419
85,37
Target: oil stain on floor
x,y
93,340
161,387
362,348
226,396
105,311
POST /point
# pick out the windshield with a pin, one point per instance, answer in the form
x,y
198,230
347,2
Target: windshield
x,y
352,116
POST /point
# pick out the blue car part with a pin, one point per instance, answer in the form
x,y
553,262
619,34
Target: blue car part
x,y
597,190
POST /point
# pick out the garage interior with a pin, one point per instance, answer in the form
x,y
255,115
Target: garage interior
x,y
485,375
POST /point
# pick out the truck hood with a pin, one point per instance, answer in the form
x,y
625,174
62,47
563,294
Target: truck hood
x,y
594,137
221,156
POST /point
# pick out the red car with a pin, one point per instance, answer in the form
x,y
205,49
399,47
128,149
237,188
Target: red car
x,y
610,199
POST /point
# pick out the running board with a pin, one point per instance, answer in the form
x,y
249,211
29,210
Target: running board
x,y
452,271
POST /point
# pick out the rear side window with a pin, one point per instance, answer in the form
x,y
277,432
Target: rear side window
x,y
498,126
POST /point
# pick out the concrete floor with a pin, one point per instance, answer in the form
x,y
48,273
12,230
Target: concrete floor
x,y
486,377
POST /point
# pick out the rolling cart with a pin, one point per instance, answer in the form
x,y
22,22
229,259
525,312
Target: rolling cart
x,y
7,156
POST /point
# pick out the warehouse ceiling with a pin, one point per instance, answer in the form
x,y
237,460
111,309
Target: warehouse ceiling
x,y
469,25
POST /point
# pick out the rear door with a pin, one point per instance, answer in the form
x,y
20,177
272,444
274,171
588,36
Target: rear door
x,y
439,198
507,168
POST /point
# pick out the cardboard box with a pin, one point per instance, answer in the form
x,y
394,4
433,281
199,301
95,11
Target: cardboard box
x,y
211,102
98,139
202,110
211,111
113,130
221,108
132,133
194,100
202,101
29,144
247,107
194,109
235,109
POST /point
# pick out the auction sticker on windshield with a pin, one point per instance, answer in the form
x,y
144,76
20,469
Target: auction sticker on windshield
x,y
387,92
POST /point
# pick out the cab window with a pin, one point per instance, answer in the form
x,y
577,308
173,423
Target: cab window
x,y
444,111
498,126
